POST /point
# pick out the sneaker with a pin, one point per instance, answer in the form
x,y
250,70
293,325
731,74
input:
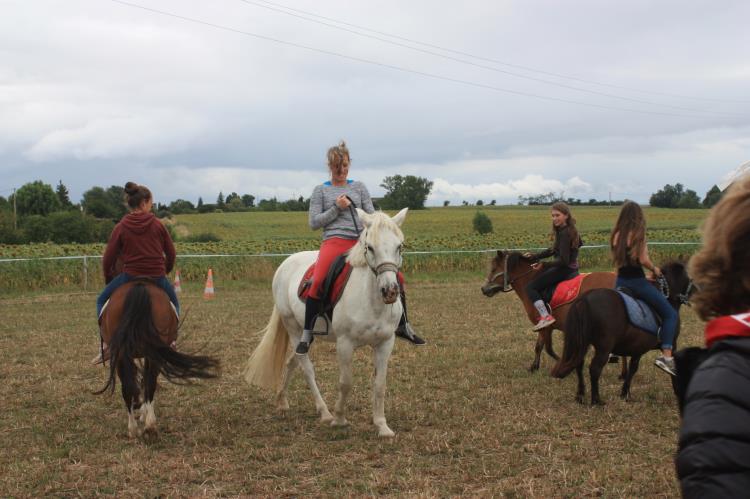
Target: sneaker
x,y
406,332
666,364
544,322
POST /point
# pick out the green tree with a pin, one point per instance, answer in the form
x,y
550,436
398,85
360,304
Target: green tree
x,y
180,206
104,203
62,196
668,196
713,196
689,199
405,192
234,204
36,198
480,202
200,203
248,200
482,223
220,200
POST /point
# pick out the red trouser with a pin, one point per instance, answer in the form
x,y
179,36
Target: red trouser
x,y
329,251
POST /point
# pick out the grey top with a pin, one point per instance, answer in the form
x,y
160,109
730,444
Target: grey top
x,y
335,222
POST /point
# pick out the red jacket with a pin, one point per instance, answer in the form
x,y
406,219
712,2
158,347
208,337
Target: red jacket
x,y
143,245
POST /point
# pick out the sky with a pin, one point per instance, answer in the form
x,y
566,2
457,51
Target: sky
x,y
488,99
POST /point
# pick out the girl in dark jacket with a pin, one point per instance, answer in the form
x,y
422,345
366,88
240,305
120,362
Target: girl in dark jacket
x,y
714,449
143,246
563,267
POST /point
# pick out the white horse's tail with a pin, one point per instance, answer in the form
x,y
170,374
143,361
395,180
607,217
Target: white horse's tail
x,y
266,365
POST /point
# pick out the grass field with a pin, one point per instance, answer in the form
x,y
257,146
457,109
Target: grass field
x,y
435,229
469,418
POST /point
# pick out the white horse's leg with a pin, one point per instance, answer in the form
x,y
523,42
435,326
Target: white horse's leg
x,y
282,403
149,424
309,372
380,354
344,351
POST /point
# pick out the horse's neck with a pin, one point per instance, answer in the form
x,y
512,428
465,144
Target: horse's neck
x,y
363,286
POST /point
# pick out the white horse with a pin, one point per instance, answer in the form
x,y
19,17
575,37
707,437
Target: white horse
x,y
367,314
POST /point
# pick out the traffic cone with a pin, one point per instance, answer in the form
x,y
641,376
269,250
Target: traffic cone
x,y
208,293
177,283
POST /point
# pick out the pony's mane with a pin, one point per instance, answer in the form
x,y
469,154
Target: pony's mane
x,y
514,257
380,222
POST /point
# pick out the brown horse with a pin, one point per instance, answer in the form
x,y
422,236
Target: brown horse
x,y
510,270
139,323
599,318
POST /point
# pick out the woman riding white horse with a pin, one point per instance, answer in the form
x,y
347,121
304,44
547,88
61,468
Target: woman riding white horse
x,y
367,313
331,210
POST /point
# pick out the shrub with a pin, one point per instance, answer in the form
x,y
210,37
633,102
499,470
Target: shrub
x,y
203,237
482,223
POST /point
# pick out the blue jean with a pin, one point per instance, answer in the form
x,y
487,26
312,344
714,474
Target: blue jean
x,y
648,293
122,278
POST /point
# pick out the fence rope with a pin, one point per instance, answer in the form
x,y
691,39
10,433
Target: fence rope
x,y
273,255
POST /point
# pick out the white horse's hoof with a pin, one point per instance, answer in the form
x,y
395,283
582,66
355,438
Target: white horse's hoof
x,y
339,423
385,432
326,418
282,405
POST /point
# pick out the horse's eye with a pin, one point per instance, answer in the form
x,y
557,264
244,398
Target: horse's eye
x,y
370,249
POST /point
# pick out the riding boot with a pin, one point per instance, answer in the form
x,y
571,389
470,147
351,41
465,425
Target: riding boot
x,y
312,310
404,329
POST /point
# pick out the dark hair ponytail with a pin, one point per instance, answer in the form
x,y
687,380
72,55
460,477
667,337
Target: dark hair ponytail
x,y
136,194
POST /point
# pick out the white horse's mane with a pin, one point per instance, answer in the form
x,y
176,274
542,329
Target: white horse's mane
x,y
378,222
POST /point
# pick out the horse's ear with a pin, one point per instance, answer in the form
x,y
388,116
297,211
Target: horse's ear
x,y
500,253
400,216
365,217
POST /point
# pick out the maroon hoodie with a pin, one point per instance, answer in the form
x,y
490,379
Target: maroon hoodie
x,y
143,245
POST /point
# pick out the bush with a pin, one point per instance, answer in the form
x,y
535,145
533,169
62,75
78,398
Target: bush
x,y
36,228
203,237
64,227
482,223
9,235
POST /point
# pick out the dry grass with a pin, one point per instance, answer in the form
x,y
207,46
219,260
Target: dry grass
x,y
469,418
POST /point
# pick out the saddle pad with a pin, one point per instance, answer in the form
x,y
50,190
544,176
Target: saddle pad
x,y
336,290
640,314
567,291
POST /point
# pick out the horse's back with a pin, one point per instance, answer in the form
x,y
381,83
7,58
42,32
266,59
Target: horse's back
x,y
287,279
161,310
596,280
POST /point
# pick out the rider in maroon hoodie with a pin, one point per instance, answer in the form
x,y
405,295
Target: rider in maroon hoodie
x,y
142,244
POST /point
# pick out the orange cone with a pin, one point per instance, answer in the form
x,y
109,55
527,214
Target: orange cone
x,y
177,283
208,293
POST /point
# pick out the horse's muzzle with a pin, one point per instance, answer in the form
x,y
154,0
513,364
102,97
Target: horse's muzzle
x,y
390,293
491,289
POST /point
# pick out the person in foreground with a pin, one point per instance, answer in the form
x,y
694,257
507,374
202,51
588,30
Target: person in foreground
x,y
143,245
630,255
331,209
713,459
563,267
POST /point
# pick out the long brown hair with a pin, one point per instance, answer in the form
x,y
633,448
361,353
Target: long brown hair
x,y
136,194
575,237
630,230
721,269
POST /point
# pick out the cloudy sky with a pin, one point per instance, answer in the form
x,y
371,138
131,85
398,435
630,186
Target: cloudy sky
x,y
489,99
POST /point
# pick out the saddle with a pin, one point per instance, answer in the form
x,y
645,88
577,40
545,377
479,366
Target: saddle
x,y
640,313
332,287
564,292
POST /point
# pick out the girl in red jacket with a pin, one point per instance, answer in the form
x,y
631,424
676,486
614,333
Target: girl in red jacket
x,y
142,244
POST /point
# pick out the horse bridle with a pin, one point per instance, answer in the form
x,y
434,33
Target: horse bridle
x,y
507,283
684,298
378,269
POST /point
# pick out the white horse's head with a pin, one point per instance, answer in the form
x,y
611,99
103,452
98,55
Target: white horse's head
x,y
379,248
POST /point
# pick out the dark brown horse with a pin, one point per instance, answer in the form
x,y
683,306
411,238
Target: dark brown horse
x,y
511,271
599,318
139,323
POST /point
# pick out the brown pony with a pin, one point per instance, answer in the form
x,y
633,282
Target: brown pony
x,y
510,270
599,318
139,323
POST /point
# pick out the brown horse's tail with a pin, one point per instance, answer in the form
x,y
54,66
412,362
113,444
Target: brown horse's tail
x,y
137,336
577,338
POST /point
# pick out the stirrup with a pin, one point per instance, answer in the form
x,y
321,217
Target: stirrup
x,y
321,331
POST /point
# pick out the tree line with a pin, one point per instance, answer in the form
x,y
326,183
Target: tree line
x,y
37,212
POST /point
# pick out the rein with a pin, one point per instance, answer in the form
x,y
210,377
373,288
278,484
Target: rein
x,y
684,298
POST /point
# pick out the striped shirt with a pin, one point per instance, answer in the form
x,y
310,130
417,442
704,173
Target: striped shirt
x,y
336,222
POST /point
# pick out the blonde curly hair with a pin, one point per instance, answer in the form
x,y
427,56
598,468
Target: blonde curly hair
x,y
721,269
338,155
